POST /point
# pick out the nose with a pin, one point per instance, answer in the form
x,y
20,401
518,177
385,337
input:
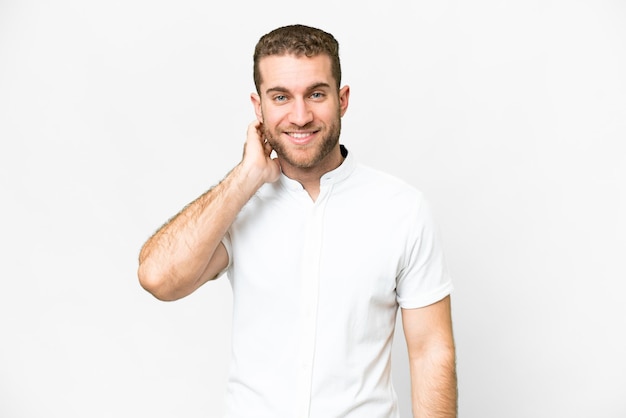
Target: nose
x,y
301,113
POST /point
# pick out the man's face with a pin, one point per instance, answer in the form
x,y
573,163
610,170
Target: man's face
x,y
300,109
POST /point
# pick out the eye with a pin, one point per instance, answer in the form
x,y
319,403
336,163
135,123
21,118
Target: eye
x,y
317,95
280,98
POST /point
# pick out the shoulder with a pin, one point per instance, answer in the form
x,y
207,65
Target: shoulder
x,y
263,203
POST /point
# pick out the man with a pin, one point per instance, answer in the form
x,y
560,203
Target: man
x,y
320,252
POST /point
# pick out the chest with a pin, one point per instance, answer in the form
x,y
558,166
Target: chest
x,y
345,249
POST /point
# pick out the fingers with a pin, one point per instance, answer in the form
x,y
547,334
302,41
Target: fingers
x,y
268,148
254,131
256,137
257,155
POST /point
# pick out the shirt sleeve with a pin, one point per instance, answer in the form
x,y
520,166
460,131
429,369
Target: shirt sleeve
x,y
424,278
229,249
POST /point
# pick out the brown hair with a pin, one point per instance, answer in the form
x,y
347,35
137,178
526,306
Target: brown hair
x,y
297,40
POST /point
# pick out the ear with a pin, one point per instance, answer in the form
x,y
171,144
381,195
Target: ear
x,y
344,98
256,102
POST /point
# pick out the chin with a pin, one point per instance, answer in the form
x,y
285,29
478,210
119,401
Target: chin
x,y
301,161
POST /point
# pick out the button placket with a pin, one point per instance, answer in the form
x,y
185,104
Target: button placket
x,y
309,294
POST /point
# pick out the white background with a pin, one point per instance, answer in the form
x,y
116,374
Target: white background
x,y
510,116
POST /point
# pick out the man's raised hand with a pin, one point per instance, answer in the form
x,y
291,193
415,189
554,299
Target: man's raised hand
x,y
257,160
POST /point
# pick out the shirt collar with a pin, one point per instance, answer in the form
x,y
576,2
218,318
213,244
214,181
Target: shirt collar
x,y
334,176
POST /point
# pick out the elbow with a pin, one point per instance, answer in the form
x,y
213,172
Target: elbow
x,y
155,282
443,355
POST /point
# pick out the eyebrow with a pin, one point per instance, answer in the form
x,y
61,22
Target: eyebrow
x,y
280,89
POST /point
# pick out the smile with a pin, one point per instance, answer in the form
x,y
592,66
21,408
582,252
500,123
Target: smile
x,y
299,135
301,138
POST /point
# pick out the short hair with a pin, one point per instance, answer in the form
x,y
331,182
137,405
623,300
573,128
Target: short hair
x,y
298,40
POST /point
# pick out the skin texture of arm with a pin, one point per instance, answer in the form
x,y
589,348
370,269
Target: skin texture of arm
x,y
187,251
432,360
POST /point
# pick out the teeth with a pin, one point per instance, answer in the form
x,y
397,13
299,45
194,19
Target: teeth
x,y
299,135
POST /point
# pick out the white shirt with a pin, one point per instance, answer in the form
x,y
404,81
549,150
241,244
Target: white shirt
x,y
316,288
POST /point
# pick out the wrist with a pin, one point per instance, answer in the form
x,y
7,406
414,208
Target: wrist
x,y
248,177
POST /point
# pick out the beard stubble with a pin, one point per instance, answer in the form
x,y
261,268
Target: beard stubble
x,y
322,147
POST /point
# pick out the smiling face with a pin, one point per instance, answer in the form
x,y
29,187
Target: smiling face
x,y
301,111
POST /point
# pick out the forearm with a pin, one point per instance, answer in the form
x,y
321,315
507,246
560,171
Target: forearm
x,y
434,383
173,262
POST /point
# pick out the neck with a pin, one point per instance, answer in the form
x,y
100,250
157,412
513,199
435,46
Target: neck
x,y
310,177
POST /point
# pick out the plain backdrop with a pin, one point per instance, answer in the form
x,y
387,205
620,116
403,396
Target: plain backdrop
x,y
509,115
